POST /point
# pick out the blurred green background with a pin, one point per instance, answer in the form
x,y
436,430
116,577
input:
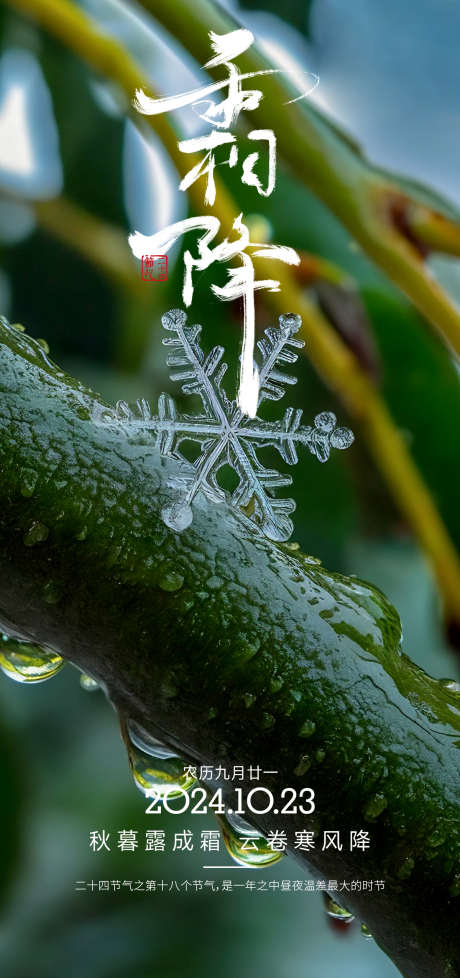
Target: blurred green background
x,y
389,74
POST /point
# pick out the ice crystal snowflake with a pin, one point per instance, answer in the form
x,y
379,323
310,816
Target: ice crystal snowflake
x,y
228,437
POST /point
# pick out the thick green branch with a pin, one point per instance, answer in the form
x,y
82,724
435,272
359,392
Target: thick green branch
x,y
224,645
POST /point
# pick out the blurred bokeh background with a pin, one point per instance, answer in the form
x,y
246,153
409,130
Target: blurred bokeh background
x,y
76,176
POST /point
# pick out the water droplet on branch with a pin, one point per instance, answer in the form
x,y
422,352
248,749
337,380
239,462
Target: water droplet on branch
x,y
245,844
335,910
155,767
26,662
88,683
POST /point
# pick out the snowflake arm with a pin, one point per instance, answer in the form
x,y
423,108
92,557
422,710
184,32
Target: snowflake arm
x,y
225,435
202,375
254,495
278,346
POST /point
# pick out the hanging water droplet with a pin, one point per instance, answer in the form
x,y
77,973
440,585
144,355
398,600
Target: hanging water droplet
x,y
155,767
145,742
26,662
336,911
88,683
366,932
245,844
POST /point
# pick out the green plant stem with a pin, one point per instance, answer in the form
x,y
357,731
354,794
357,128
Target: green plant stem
x,y
104,245
180,628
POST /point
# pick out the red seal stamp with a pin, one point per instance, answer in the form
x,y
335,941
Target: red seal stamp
x,y
154,268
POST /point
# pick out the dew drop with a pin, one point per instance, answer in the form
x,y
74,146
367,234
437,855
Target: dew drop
x,y
28,479
52,592
170,579
304,763
26,662
154,766
245,649
36,533
88,683
245,844
307,729
295,697
335,910
375,806
437,837
214,583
